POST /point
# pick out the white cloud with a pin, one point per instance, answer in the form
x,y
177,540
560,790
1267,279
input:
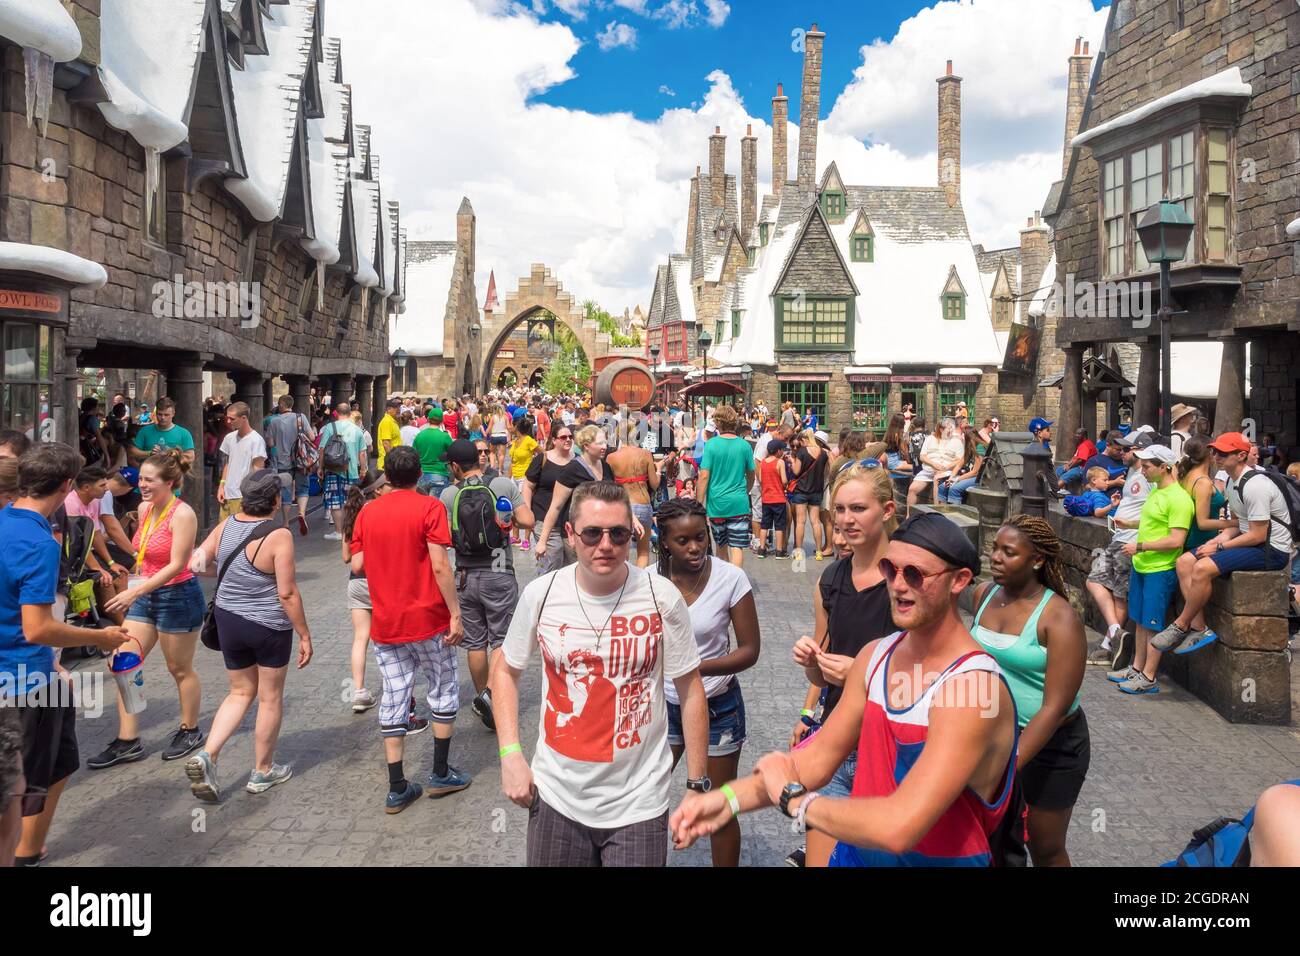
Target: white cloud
x,y
615,35
718,12
677,13
601,199
667,90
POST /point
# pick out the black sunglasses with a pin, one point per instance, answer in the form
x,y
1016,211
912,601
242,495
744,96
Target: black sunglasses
x,y
913,576
618,536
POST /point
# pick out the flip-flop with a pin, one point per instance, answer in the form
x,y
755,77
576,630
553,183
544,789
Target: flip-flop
x,y
1209,637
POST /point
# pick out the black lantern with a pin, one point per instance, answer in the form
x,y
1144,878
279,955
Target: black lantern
x,y
399,363
704,341
1165,229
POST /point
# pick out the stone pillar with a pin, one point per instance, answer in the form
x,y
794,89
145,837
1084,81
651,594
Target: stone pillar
x,y
950,135
780,135
67,430
380,391
248,389
717,168
1088,414
1146,401
810,105
1071,403
269,398
300,389
341,388
364,393
1231,405
185,385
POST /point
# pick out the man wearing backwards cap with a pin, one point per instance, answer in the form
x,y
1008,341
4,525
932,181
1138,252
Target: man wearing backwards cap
x,y
1260,542
1162,530
929,685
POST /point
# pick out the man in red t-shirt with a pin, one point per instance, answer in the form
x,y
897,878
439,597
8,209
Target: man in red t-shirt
x,y
399,542
1073,470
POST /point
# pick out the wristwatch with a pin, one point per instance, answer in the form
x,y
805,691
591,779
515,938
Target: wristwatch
x,y
700,785
791,791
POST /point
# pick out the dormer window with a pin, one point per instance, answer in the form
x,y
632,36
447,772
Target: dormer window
x,y
735,323
862,250
953,298
862,240
833,205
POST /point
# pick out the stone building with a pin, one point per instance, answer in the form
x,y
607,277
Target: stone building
x,y
1197,102
193,194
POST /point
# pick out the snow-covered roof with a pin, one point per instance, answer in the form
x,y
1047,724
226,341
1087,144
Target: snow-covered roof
x,y
387,281
41,25
268,92
429,270
1225,84
1039,302
53,263
365,208
149,50
680,270
1194,369
327,183
1293,229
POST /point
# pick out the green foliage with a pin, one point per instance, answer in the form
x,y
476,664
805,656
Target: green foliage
x,y
609,325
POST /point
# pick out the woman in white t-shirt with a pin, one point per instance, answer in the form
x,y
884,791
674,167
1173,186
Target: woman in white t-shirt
x,y
940,453
719,598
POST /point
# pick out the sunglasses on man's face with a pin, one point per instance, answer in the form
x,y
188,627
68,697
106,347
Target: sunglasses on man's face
x,y
618,536
913,576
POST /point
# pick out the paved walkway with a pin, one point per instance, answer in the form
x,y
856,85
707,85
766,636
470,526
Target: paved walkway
x,y
1161,766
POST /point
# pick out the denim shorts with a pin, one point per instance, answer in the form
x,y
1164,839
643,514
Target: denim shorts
x,y
804,498
1149,595
731,532
174,609
293,485
841,784
431,483
726,722
1260,558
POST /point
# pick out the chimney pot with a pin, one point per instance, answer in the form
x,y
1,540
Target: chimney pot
x,y
1085,47
1029,221
1078,42
948,72
717,131
778,90
814,28
749,129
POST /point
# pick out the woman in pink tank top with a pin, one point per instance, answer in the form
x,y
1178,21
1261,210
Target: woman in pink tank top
x,y
163,604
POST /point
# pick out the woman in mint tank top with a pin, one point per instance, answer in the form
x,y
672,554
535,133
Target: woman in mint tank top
x,y
1025,622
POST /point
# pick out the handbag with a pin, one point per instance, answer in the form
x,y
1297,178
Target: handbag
x,y
208,635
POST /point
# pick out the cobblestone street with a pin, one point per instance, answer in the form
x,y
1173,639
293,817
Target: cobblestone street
x,y
1161,766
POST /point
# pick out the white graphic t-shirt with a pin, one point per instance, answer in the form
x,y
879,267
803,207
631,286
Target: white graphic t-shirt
x,y
711,621
602,754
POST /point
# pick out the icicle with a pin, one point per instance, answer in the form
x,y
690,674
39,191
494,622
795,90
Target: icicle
x,y
152,173
365,301
320,286
38,68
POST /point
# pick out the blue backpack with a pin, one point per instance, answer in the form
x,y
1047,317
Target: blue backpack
x,y
1225,842
1077,505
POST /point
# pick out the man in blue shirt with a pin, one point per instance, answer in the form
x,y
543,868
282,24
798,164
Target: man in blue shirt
x,y
1112,459
29,632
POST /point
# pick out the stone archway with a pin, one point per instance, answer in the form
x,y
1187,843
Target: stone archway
x,y
540,291
508,378
535,380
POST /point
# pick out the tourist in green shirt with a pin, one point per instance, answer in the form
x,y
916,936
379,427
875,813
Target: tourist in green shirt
x,y
1162,532
726,472
162,435
431,445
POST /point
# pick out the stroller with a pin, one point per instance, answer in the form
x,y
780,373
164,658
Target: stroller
x,y
77,582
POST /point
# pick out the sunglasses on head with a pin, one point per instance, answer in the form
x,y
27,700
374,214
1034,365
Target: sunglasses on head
x,y
913,576
618,536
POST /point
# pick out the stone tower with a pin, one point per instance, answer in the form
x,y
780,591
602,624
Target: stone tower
x,y
950,135
810,104
780,134
717,168
692,211
1035,251
748,182
1075,96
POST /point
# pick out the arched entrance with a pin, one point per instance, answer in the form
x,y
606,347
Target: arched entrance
x,y
535,380
467,381
508,378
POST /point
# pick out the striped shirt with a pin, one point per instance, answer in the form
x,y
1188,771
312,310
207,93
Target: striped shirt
x,y
246,591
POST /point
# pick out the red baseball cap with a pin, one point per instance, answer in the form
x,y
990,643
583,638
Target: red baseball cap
x,y
1230,442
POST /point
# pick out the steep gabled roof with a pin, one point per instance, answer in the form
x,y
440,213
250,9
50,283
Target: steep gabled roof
x,y
862,224
815,265
952,285
831,180
711,225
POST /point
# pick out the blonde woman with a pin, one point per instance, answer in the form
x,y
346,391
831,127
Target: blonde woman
x,y
498,436
851,609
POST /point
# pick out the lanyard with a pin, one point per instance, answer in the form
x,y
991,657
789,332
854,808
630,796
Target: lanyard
x,y
152,523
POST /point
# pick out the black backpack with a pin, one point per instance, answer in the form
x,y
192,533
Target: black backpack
x,y
334,455
474,529
1290,489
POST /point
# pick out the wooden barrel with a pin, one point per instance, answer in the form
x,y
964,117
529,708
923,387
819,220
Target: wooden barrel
x,y
624,382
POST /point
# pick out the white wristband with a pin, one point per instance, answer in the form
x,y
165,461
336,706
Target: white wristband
x,y
802,812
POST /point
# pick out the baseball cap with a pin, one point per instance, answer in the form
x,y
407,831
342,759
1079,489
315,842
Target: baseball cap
x,y
1161,453
130,475
821,436
710,429
1140,437
776,445
435,414
1230,442
1037,424
461,452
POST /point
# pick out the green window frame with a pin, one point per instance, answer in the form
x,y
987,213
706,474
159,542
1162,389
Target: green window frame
x,y
719,331
833,205
762,233
954,306
950,393
870,406
814,325
863,249
735,323
805,394
750,256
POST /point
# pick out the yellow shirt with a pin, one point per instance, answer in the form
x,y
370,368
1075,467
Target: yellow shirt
x,y
389,431
521,453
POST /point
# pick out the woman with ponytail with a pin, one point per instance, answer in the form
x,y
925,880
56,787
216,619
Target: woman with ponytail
x,y
376,484
1026,623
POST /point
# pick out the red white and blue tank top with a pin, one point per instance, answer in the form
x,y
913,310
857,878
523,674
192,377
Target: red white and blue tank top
x,y
890,743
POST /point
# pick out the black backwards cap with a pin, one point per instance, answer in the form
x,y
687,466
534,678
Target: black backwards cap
x,y
932,532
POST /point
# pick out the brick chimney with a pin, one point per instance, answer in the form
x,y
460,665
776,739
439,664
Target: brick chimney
x,y
1076,94
717,167
693,212
1035,251
748,182
810,105
780,133
950,135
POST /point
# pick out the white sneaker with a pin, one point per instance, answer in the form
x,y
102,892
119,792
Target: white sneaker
x,y
333,536
362,701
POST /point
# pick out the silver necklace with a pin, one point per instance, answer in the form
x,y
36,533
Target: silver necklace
x,y
601,633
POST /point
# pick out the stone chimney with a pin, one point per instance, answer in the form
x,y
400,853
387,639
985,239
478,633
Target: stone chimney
x,y
780,132
1076,94
950,135
717,168
810,105
1035,251
693,212
748,182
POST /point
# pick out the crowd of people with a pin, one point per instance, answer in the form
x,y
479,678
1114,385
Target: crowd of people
x,y
920,740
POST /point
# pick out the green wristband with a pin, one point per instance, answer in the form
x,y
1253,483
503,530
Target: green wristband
x,y
510,749
731,799
805,713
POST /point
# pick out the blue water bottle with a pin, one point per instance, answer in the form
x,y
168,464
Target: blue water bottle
x,y
505,513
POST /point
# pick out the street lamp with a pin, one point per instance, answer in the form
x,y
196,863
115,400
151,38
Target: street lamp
x,y
704,341
654,370
1165,230
399,361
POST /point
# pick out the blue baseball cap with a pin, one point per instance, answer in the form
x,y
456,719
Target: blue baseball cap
x,y
130,475
1038,424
